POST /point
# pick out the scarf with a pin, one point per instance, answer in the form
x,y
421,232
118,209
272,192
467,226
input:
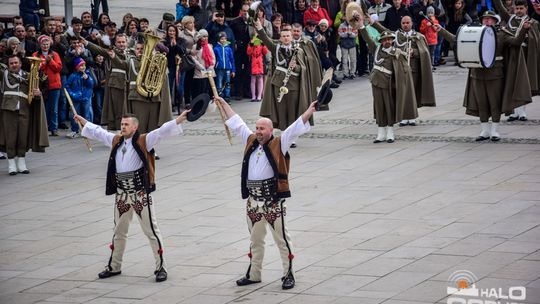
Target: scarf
x,y
207,55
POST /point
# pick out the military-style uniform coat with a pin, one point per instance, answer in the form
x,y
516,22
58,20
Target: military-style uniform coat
x,y
114,105
305,77
504,81
531,45
23,126
159,106
392,85
420,63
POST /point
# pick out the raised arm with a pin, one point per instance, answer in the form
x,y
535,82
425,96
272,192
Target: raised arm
x,y
94,132
379,27
168,129
451,38
365,35
299,127
503,12
234,121
264,37
517,40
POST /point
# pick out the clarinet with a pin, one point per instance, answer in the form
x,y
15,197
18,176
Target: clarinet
x,y
283,89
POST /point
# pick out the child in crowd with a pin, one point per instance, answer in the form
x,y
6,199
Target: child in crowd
x,y
427,29
79,86
347,43
256,52
224,66
100,72
182,9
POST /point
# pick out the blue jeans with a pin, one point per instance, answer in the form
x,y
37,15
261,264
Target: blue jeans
x,y
84,109
98,104
51,109
224,79
62,102
437,53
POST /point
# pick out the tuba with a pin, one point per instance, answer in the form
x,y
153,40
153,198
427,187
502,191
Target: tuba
x,y
351,14
153,68
33,77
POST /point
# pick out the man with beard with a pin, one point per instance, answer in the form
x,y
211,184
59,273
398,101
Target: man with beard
x,y
265,185
130,176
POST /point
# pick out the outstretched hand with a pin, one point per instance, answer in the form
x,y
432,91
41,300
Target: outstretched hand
x,y
182,117
220,102
309,112
80,119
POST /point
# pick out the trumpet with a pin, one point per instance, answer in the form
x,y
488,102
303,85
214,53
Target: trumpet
x,y
33,78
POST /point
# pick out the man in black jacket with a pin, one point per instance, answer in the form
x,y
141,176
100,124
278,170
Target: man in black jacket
x,y
394,15
239,26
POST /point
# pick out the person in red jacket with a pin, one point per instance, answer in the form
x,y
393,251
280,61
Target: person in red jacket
x,y
256,52
51,66
316,13
427,29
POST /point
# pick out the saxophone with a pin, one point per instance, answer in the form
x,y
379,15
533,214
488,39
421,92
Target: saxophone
x,y
153,68
33,77
283,89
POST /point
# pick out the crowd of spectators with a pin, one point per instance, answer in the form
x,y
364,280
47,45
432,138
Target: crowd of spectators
x,y
213,36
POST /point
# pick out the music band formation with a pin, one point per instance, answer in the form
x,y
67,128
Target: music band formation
x,y
503,63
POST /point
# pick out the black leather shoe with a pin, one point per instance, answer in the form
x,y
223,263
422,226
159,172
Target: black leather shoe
x,y
376,141
523,118
288,282
107,274
25,171
403,124
481,138
495,138
334,85
412,124
390,140
293,145
512,118
245,281
161,275
13,173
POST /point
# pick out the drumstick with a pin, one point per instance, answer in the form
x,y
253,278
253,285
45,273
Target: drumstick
x,y
427,18
75,113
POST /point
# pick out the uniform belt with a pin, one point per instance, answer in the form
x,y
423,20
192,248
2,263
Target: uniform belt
x,y
115,70
262,190
285,70
132,83
499,58
14,93
382,69
131,181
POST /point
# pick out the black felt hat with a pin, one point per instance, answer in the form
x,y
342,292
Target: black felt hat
x,y
325,93
198,107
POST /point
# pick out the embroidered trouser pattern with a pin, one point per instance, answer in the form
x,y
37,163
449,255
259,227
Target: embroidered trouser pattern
x,y
258,218
126,204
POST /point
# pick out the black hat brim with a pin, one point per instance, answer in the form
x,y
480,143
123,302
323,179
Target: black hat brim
x,y
198,107
325,95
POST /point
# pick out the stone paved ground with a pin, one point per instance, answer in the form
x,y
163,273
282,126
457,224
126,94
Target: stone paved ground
x,y
386,223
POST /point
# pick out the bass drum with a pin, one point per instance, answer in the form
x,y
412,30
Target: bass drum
x,y
476,46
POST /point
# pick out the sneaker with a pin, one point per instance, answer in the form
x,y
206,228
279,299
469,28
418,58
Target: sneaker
x,y
54,133
73,134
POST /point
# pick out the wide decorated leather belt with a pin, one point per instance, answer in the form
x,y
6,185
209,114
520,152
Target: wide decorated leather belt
x,y
262,190
131,181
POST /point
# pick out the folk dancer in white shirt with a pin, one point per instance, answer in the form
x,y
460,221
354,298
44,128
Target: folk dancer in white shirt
x,y
130,176
265,185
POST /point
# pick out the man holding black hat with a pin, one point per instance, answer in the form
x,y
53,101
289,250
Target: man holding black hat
x,y
501,88
392,84
130,176
265,184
